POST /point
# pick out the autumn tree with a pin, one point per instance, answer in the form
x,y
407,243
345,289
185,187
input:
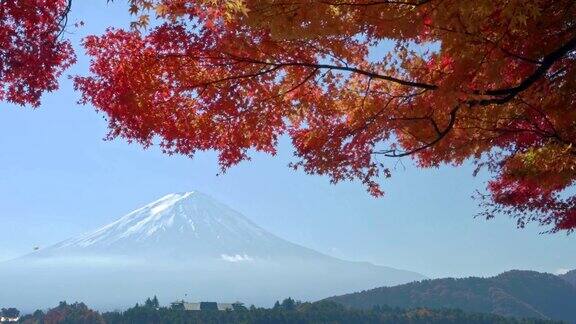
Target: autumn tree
x,y
10,312
70,313
356,84
32,52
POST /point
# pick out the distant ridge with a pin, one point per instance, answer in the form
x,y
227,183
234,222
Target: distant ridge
x,y
514,293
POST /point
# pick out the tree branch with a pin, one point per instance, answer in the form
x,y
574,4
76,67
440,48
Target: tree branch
x,y
545,64
441,135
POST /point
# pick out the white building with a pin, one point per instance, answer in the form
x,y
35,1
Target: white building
x,y
206,306
8,319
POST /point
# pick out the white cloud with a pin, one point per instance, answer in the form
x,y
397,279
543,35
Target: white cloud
x,y
236,258
561,271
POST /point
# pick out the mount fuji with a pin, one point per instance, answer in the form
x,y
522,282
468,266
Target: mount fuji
x,y
183,244
183,227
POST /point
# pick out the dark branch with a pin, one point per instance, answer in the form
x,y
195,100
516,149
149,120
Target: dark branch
x,y
545,64
369,74
441,135
377,3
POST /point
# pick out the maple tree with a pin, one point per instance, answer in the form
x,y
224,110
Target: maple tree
x,y
490,81
32,52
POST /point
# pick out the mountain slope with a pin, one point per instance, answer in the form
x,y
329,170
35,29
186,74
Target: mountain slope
x,y
184,226
184,244
513,293
570,276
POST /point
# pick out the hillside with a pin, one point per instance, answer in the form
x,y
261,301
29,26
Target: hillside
x,y
570,276
513,293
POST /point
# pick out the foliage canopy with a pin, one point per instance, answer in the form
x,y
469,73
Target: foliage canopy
x,y
489,81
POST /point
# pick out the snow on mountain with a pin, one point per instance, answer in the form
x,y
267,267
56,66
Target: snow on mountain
x,y
182,225
183,244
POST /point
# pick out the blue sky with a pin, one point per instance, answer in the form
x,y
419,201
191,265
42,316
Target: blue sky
x,y
58,178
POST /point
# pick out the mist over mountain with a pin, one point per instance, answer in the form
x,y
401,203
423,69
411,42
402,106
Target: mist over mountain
x,y
183,245
513,293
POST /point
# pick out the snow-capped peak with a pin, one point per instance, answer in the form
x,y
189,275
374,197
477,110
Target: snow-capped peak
x,y
189,221
164,202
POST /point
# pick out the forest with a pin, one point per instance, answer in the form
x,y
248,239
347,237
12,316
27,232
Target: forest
x,y
286,312
513,293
